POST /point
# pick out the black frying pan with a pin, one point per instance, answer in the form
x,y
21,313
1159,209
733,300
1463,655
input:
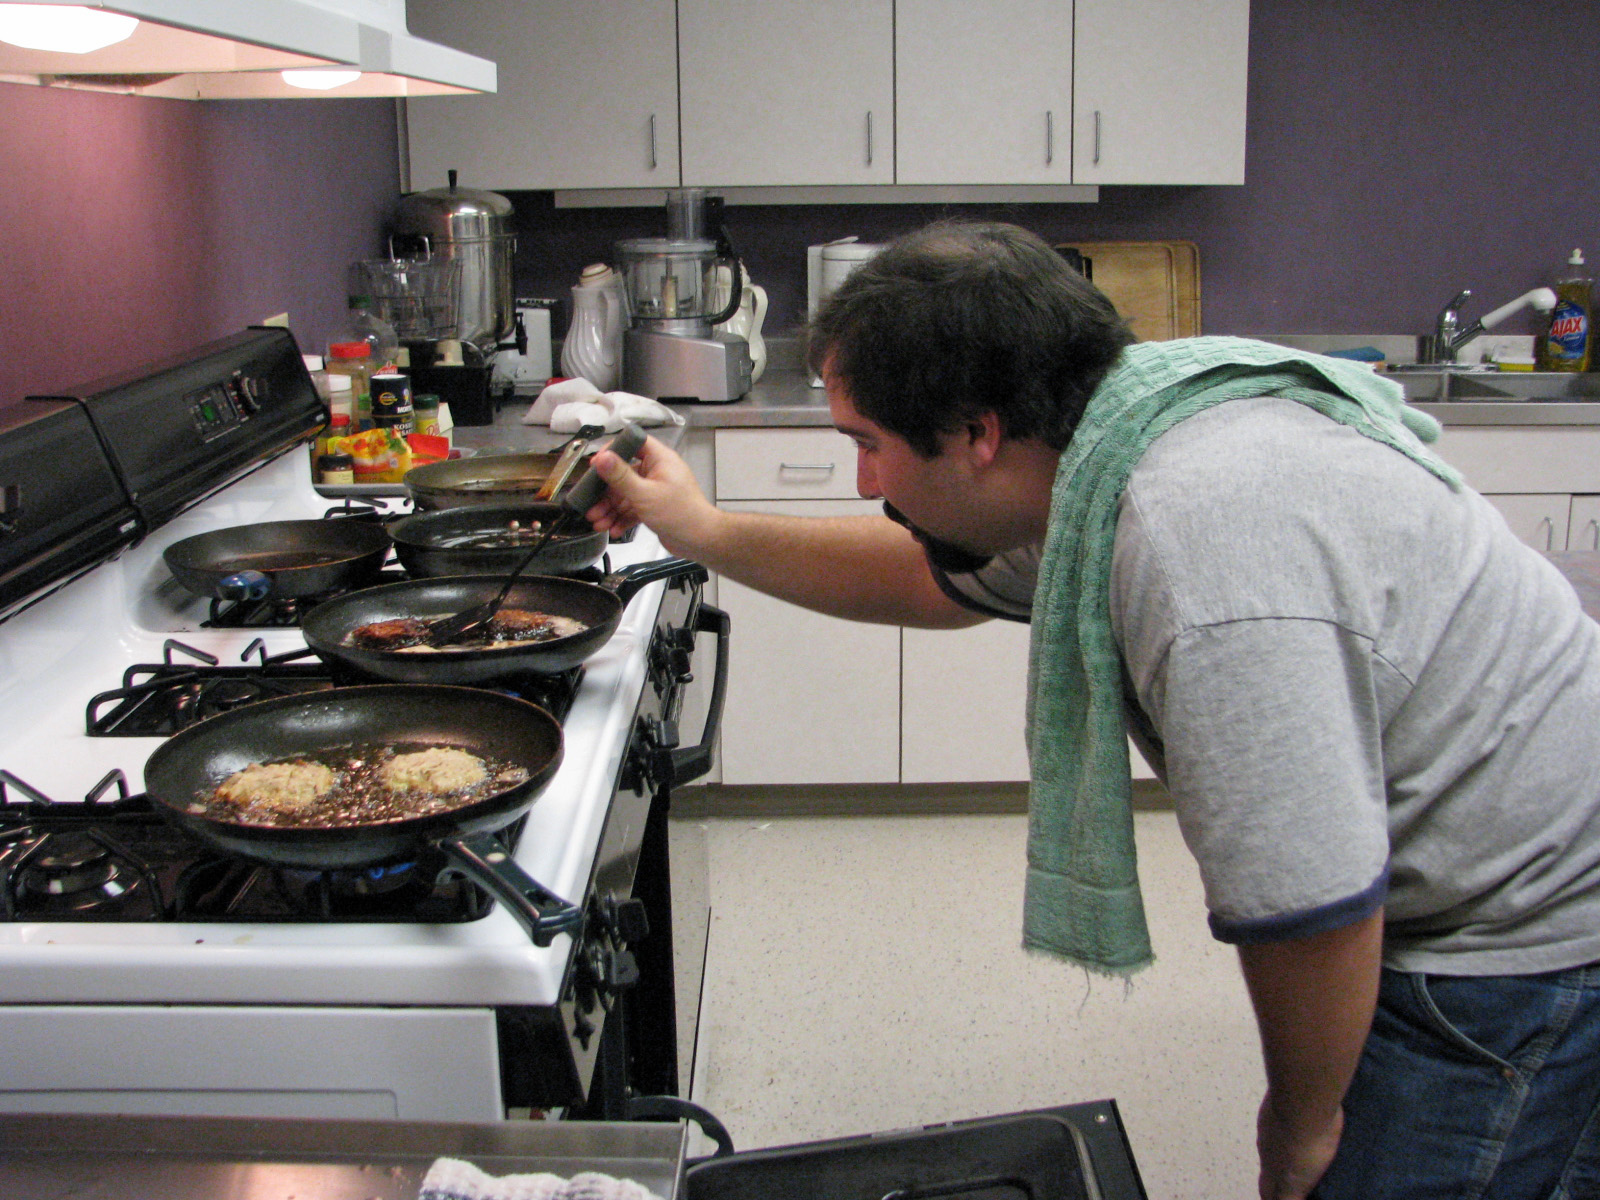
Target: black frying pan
x,y
597,605
191,763
295,558
475,540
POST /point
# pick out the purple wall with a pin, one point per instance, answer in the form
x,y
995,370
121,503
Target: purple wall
x,y
133,228
1396,153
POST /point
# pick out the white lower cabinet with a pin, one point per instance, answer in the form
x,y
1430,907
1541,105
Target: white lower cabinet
x,y
963,702
811,699
817,700
1544,479
1583,523
1540,519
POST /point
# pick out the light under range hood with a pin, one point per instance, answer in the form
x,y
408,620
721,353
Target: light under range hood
x,y
240,49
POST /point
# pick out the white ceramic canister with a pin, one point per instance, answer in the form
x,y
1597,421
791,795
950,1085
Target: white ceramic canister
x,y
593,346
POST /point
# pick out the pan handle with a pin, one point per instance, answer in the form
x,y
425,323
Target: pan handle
x,y
629,581
485,860
691,762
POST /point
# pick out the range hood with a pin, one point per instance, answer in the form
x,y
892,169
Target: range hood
x,y
204,50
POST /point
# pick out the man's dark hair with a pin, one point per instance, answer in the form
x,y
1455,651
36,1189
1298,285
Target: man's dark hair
x,y
961,318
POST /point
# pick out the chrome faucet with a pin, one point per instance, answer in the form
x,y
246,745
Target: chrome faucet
x,y
1448,336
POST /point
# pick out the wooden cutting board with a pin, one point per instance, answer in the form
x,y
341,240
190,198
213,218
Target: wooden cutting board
x,y
1154,285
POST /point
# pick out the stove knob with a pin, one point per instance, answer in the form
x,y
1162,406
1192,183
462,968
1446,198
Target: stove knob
x,y
582,1027
628,920
245,390
619,969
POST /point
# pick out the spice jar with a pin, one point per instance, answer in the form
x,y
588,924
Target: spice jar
x,y
354,359
425,413
336,468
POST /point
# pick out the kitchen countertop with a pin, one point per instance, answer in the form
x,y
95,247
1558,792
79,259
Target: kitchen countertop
x,y
784,398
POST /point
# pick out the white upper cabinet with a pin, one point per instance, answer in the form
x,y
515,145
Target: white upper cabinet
x,y
588,95
1159,91
787,94
983,91
838,93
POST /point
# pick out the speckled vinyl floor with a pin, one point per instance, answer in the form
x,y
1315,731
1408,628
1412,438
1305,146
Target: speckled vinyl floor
x,y
863,974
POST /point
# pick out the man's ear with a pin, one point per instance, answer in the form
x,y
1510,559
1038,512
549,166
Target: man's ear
x,y
984,436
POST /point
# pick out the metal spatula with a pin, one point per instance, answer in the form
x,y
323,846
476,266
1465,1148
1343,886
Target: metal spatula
x,y
459,626
570,454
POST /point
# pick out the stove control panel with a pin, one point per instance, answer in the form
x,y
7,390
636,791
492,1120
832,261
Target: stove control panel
x,y
180,429
214,411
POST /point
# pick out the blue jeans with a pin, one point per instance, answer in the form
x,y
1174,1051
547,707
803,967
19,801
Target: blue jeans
x,y
1476,1088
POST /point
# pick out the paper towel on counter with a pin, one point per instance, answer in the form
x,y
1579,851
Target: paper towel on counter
x,y
573,403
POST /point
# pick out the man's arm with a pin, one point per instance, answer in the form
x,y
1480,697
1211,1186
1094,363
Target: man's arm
x,y
1314,998
861,568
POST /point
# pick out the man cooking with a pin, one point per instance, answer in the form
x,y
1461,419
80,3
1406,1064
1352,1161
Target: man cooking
x,y
1376,711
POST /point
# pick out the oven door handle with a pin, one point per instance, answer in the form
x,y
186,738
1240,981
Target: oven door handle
x,y
691,762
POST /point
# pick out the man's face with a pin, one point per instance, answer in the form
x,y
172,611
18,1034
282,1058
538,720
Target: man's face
x,y
934,494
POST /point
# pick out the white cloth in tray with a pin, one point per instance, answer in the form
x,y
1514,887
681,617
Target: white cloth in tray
x,y
573,403
453,1179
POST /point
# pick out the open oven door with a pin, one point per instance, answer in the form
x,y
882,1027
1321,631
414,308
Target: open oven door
x,y
1073,1152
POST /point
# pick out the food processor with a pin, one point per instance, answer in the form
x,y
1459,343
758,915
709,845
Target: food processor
x,y
671,352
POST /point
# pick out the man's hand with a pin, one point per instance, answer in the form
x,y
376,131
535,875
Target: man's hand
x,y
660,491
1291,1162
1314,998
861,568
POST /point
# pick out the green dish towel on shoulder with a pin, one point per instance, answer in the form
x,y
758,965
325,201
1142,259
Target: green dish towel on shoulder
x,y
1082,901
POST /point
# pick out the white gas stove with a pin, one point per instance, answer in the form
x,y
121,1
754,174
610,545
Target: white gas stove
x,y
454,1019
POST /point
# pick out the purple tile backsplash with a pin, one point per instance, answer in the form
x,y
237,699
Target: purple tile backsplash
x,y
1396,153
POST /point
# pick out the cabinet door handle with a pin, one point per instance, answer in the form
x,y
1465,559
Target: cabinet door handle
x,y
652,141
869,137
1097,137
1049,137
1549,528
1594,525
789,466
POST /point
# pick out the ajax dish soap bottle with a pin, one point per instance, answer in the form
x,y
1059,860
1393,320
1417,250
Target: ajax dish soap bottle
x,y
1567,346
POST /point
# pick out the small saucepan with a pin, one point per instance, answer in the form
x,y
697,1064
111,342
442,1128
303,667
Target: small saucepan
x,y
187,768
597,607
284,559
475,540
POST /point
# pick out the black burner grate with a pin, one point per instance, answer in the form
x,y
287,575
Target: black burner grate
x,y
122,861
159,699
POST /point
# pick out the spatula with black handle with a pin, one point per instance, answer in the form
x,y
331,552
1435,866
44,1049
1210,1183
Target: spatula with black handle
x,y
580,499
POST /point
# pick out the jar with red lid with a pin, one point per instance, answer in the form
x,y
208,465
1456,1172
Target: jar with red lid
x,y
354,359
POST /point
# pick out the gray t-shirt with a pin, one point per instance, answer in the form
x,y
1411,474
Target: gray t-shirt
x,y
1364,690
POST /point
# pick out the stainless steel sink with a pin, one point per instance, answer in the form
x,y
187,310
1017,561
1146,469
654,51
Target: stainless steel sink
x,y
1464,397
1534,386
1503,387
